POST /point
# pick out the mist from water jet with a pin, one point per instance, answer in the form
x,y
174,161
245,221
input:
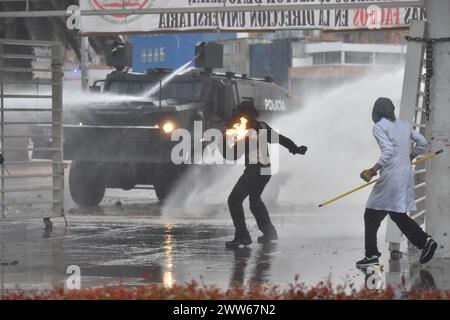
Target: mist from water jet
x,y
181,70
336,125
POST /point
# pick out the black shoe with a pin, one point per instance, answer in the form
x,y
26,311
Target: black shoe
x,y
428,251
367,262
268,236
236,242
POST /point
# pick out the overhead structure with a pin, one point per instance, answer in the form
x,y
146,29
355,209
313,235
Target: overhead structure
x,y
175,15
157,16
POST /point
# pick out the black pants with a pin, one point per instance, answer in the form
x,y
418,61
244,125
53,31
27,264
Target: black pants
x,y
251,184
372,221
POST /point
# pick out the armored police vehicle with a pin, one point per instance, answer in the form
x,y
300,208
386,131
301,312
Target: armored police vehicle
x,y
127,143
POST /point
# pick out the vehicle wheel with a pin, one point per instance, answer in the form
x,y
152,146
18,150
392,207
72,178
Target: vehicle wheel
x,y
165,180
162,190
86,183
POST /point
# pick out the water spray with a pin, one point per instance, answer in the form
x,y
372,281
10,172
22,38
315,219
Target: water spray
x,y
181,70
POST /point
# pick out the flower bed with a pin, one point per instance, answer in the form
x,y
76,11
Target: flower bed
x,y
195,291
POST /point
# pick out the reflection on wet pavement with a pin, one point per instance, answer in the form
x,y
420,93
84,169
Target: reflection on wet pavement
x,y
168,279
260,272
405,273
134,244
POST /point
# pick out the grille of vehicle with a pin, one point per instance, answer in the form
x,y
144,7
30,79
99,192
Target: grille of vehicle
x,y
139,136
121,119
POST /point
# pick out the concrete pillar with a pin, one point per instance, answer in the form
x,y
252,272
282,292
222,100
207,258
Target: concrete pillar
x,y
438,129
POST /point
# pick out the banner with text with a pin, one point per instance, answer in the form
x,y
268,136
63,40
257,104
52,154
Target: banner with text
x,y
290,17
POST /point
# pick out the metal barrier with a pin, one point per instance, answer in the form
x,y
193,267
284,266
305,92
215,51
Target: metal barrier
x,y
31,189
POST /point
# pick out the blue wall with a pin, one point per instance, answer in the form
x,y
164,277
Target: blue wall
x,y
169,51
260,60
272,59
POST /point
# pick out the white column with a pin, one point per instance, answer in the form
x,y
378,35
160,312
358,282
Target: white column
x,y
438,130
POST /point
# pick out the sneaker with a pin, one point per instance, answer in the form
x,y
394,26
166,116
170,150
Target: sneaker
x,y
428,251
236,242
268,236
367,262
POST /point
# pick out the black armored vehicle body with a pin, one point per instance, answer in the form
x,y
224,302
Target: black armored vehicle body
x,y
126,141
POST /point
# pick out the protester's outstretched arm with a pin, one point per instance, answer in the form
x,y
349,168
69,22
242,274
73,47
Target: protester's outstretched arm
x,y
291,146
284,141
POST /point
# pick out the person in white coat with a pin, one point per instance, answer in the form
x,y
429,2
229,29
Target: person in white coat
x,y
394,192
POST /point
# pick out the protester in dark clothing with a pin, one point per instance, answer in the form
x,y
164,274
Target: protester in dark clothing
x,y
255,178
394,192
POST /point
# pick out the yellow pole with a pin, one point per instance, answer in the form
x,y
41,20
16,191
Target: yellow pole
x,y
415,162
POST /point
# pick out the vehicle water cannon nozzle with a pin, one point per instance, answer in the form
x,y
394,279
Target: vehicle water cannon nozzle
x,y
209,55
119,55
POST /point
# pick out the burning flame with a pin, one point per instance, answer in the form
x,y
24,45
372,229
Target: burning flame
x,y
239,130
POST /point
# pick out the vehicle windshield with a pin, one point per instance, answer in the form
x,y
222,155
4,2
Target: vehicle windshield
x,y
129,88
181,90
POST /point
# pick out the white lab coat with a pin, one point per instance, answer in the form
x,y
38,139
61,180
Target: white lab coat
x,y
394,190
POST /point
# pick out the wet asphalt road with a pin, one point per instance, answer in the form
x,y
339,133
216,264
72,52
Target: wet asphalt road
x,y
135,243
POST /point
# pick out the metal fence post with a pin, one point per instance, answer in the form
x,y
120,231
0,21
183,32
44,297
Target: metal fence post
x,y
84,62
57,132
36,184
2,129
